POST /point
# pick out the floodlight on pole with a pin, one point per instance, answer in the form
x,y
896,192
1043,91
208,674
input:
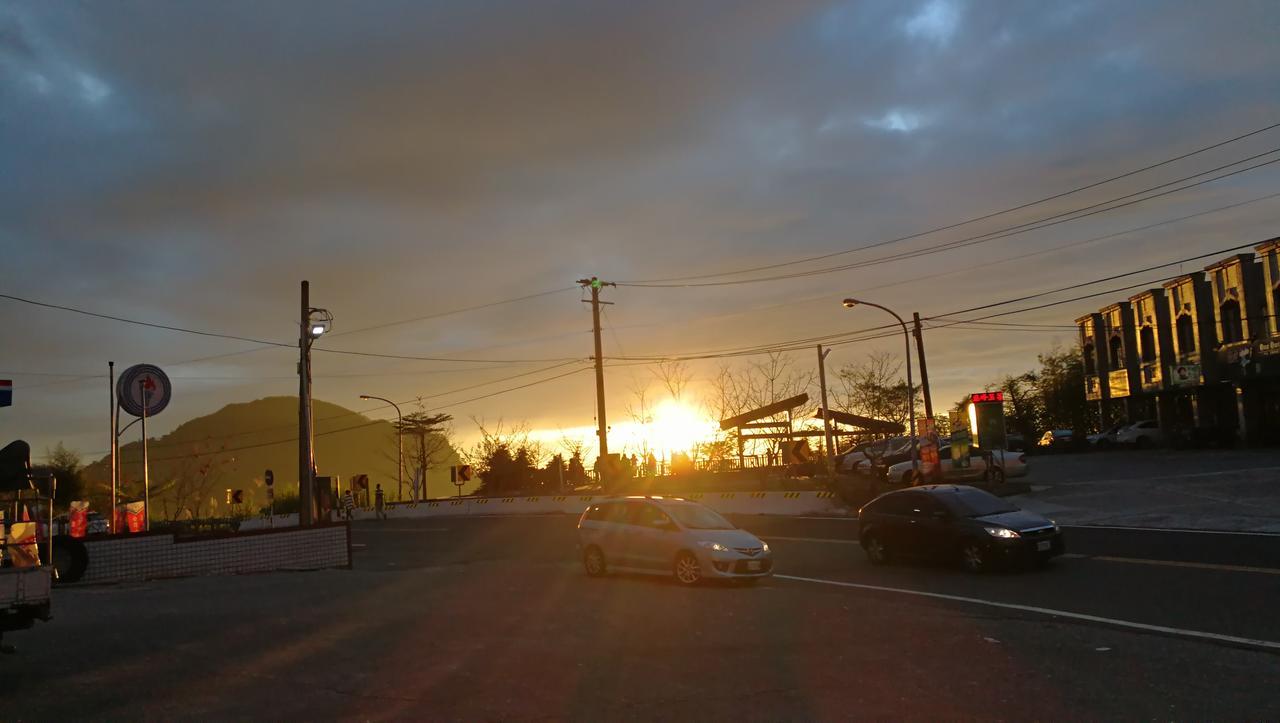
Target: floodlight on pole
x,y
849,303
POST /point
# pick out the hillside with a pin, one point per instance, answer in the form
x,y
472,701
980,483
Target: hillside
x,y
193,466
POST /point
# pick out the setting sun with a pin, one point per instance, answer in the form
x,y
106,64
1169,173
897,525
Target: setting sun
x,y
677,427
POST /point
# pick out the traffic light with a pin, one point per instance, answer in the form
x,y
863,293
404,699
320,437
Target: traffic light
x,y
270,478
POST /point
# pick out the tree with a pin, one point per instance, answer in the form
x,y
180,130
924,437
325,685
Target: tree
x,y
505,460
874,388
1060,385
185,494
64,465
1024,406
735,390
428,436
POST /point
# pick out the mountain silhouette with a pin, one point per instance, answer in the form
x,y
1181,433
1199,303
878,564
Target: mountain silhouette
x,y
192,467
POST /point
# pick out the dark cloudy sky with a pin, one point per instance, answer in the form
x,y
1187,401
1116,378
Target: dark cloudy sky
x,y
188,163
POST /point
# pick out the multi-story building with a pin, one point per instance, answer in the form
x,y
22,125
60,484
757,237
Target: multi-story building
x,y
1155,355
1093,349
1239,307
1193,373
1124,383
1201,354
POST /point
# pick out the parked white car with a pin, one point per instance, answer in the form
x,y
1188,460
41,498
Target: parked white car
x,y
1007,464
1141,434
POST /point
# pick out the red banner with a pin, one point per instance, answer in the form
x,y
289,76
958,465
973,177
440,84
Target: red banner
x,y
79,518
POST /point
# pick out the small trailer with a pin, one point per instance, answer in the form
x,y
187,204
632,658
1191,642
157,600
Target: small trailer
x,y
26,545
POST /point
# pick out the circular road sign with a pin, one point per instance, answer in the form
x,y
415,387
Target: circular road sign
x,y
143,384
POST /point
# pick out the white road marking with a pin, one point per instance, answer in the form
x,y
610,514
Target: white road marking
x,y
1196,565
812,539
1170,529
1182,632
362,530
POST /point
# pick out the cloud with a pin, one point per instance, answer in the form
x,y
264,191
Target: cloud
x,y
936,21
191,163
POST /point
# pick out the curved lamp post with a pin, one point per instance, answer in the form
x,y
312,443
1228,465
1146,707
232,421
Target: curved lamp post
x,y
911,389
399,447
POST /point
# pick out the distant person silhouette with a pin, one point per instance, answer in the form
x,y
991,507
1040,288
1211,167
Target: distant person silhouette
x,y
378,503
348,503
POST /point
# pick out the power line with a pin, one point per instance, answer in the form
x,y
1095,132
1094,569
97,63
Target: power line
x,y
1054,220
965,222
352,427
371,409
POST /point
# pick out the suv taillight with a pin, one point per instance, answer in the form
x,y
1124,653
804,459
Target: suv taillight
x,y
1022,458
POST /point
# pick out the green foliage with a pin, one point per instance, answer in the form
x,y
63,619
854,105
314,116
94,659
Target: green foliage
x,y
1050,397
65,466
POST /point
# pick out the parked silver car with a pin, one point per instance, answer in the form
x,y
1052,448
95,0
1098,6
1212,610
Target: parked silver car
x,y
668,535
1141,435
1006,464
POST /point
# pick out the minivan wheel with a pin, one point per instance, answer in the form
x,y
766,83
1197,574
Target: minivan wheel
x,y
593,561
973,557
877,553
687,569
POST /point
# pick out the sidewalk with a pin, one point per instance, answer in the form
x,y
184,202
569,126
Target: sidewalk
x,y
1204,490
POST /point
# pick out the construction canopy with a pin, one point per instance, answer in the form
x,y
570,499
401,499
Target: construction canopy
x,y
874,426
765,411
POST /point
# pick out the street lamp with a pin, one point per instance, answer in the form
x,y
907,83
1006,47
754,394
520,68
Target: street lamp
x,y
911,390
399,447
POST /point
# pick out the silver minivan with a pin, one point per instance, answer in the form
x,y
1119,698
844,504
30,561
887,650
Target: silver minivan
x,y
669,535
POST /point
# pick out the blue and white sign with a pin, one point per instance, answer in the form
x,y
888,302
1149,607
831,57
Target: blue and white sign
x,y
143,386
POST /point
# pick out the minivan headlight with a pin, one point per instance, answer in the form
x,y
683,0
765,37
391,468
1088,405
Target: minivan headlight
x,y
764,546
1003,532
713,546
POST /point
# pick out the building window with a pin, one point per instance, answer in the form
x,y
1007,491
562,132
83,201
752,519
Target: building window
x,y
1229,319
1186,331
1148,344
1275,309
1273,267
1090,366
1117,353
1220,283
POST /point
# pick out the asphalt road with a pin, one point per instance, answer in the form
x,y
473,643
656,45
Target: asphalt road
x,y
492,618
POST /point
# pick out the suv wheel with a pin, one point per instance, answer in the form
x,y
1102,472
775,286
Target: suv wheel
x,y
688,571
877,553
593,561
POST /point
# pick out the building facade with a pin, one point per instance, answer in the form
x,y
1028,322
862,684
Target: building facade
x,y
1200,354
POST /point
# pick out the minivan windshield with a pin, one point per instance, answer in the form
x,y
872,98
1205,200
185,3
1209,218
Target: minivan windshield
x,y
972,502
697,517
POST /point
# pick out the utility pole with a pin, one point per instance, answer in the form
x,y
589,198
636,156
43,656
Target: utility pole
x,y
602,432
826,419
115,439
924,384
924,369
306,467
